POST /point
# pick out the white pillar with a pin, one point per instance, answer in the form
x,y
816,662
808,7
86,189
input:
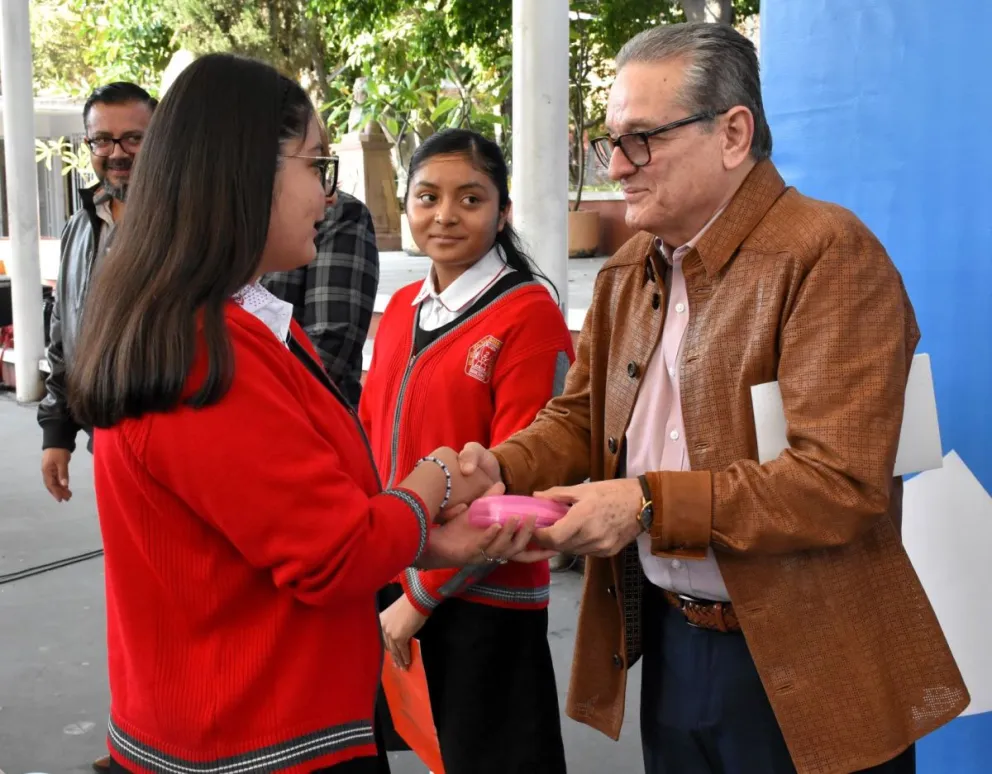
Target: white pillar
x,y
540,135
22,197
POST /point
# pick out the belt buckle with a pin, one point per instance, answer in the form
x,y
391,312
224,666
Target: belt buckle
x,y
685,599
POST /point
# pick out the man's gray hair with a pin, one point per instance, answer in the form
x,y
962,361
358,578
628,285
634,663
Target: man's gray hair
x,y
721,70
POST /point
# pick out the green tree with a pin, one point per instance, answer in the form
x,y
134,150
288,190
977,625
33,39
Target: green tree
x,y
723,11
428,65
425,63
598,29
297,37
81,44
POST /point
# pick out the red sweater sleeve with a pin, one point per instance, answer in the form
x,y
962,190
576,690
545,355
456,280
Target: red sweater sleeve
x,y
256,469
522,385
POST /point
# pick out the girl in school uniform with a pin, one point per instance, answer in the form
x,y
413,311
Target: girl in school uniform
x,y
245,527
472,353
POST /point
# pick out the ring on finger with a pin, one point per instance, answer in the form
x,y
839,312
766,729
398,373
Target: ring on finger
x,y
491,559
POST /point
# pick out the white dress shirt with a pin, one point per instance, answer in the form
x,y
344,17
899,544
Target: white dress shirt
x,y
656,435
450,304
274,312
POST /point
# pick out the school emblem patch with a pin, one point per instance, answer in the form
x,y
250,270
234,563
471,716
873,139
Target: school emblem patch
x,y
482,358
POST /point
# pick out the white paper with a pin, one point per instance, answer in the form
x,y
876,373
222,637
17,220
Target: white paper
x,y
947,531
919,440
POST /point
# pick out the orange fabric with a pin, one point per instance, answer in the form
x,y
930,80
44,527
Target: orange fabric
x,y
410,707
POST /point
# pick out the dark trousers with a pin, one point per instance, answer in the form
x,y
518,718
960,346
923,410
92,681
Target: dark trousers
x,y
492,689
703,707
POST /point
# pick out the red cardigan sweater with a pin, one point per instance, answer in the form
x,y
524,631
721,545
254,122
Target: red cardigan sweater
x,y
482,381
244,545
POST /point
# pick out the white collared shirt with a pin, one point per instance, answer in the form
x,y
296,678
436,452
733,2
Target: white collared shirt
x,y
450,304
656,434
274,312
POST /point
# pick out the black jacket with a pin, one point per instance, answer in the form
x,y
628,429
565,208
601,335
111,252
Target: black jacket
x,y
80,238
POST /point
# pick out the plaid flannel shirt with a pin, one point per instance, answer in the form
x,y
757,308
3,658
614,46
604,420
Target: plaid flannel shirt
x,y
333,296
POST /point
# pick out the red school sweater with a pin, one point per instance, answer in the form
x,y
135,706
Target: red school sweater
x,y
482,380
244,544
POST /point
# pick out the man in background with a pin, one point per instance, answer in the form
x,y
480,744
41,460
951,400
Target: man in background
x,y
334,294
115,118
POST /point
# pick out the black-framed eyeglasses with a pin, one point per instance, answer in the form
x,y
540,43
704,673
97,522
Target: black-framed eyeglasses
x,y
104,146
328,168
635,145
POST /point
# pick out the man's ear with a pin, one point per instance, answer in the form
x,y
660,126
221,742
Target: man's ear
x,y
737,136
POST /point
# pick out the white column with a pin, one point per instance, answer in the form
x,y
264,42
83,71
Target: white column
x,y
22,196
540,135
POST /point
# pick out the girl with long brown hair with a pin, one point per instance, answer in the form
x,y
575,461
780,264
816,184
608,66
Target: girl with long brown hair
x,y
245,527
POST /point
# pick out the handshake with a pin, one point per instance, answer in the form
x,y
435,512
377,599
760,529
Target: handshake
x,y
602,519
454,541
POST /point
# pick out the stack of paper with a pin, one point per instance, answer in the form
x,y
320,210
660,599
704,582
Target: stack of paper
x,y
919,440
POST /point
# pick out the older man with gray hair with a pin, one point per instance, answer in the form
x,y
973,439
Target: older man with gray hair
x,y
781,623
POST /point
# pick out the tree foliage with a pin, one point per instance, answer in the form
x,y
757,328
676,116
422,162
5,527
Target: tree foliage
x,y
597,31
723,11
420,64
80,44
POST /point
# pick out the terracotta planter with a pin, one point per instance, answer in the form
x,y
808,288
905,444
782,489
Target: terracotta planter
x,y
583,233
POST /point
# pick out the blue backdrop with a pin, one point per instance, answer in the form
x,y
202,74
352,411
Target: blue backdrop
x,y
884,107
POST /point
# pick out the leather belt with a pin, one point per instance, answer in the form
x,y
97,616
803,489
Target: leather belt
x,y
704,614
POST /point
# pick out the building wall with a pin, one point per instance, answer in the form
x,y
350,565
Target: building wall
x,y
56,199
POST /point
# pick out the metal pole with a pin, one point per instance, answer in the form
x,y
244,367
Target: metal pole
x,y
540,135
22,197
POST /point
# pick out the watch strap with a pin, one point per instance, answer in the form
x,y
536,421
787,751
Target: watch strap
x,y
645,516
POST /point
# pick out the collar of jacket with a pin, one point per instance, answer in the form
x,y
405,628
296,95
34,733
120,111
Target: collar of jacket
x,y
759,191
88,197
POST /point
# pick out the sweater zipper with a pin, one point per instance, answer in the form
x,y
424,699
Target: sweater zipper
x,y
318,371
329,383
414,358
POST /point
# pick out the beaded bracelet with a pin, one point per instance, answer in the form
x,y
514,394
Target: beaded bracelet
x,y
447,475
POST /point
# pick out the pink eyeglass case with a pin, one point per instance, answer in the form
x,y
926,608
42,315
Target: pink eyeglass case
x,y
501,508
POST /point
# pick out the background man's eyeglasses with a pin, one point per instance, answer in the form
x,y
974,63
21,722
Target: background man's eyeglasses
x,y
104,146
635,145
